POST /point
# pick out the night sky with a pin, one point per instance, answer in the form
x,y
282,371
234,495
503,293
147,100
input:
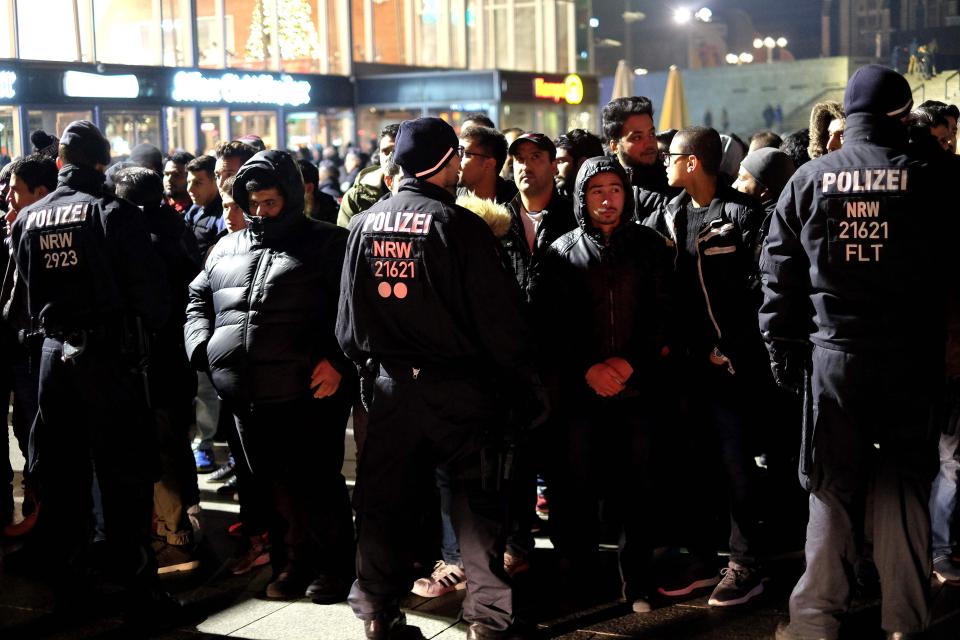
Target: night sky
x,y
797,20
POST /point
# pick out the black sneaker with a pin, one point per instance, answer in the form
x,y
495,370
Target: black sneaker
x,y
228,489
225,471
172,558
739,585
695,576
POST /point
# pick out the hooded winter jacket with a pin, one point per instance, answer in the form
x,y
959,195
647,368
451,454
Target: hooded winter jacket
x,y
262,312
603,297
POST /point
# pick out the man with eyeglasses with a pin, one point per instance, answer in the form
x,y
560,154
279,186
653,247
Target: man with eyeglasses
x,y
484,153
716,351
629,130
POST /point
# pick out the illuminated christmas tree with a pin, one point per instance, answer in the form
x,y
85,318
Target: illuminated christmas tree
x,y
298,34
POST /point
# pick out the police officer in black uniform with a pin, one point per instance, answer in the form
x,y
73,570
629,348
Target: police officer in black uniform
x,y
853,285
95,288
433,319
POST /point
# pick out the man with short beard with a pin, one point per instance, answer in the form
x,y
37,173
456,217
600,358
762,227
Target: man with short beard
x,y
630,132
573,149
175,181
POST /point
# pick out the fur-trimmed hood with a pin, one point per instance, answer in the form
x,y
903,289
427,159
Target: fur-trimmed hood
x,y
495,215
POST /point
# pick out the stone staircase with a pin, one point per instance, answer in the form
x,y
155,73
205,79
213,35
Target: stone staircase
x,y
945,87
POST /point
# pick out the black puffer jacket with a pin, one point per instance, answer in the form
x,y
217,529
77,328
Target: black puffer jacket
x,y
603,298
557,220
262,312
728,273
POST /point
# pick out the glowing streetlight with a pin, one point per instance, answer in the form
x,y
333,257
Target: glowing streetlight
x,y
732,58
746,58
704,15
640,71
781,42
769,42
682,15
758,43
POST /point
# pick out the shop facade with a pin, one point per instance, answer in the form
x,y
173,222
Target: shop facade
x,y
173,108
544,102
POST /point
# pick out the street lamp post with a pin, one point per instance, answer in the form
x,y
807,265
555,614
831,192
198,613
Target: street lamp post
x,y
770,44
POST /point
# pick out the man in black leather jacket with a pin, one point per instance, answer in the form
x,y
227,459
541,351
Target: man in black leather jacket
x,y
715,346
261,316
854,270
610,277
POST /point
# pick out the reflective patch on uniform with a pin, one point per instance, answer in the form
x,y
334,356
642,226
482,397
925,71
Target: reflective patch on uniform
x,y
863,180
393,256
70,214
713,251
857,231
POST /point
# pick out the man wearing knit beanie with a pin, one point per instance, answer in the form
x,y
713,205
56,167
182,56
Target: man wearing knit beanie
x,y
763,175
854,285
430,315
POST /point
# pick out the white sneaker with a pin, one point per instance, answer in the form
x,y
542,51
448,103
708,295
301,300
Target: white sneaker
x,y
945,571
444,579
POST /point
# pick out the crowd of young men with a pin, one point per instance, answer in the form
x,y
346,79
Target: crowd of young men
x,y
596,326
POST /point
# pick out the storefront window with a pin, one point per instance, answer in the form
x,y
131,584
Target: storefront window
x,y
252,24
315,130
176,28
213,129
6,29
53,121
547,118
337,34
181,130
210,35
126,129
525,35
48,30
128,32
370,121
426,33
9,134
258,123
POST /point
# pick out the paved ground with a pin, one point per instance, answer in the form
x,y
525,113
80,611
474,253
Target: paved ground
x,y
231,606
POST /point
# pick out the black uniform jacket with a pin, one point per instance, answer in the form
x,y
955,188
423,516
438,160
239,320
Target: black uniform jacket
x,y
424,286
85,257
262,311
599,298
854,260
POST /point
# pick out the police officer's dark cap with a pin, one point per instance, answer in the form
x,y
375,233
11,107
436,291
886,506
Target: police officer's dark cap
x,y
85,136
424,146
538,139
770,167
878,90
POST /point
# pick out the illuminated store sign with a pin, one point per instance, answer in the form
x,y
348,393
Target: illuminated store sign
x,y
233,88
571,89
78,84
7,80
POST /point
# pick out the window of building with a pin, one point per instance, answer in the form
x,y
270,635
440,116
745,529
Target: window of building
x,y
6,29
10,134
522,35
48,30
53,121
177,30
258,123
126,129
181,129
316,130
211,34
213,130
251,24
127,32
428,33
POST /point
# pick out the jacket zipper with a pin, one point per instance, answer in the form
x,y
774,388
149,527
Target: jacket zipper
x,y
706,296
258,276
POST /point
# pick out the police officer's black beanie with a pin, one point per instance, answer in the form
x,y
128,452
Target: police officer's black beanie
x,y
84,136
424,146
770,167
878,90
